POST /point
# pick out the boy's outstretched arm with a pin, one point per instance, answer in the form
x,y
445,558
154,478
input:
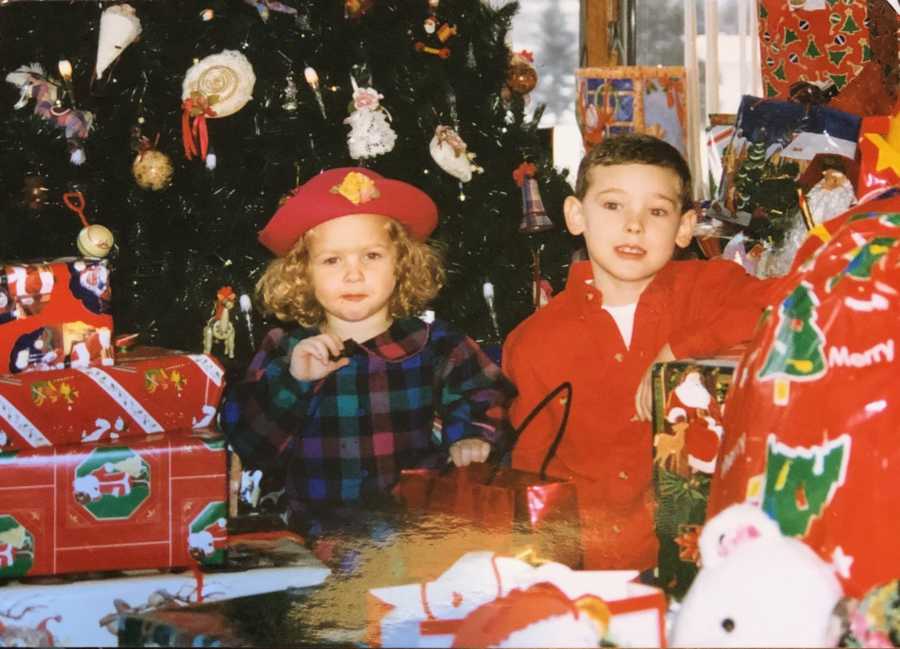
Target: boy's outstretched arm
x,y
261,412
473,401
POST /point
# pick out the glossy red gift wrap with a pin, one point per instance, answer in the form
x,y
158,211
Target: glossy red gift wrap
x,y
879,153
150,503
812,419
55,314
148,391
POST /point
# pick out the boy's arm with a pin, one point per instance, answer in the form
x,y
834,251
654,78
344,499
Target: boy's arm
x,y
531,447
262,412
721,310
474,395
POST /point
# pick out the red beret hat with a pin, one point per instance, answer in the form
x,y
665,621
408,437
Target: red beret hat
x,y
342,192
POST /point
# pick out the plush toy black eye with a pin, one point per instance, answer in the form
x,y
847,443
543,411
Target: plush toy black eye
x,y
728,625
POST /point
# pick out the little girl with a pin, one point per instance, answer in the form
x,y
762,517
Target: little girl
x,y
362,388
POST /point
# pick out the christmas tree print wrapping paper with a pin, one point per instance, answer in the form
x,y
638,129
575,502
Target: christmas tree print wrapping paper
x,y
812,417
55,314
687,429
146,503
820,41
150,390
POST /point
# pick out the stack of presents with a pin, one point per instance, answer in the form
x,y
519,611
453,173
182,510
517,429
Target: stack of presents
x,y
108,462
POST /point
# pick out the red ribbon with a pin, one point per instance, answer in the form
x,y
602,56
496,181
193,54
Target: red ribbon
x,y
195,110
522,172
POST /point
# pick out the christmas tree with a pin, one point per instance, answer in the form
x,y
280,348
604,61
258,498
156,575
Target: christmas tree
x,y
118,125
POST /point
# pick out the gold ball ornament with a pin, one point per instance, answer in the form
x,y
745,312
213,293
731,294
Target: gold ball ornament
x,y
521,77
152,170
95,241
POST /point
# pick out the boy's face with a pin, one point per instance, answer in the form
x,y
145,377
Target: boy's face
x,y
631,220
351,267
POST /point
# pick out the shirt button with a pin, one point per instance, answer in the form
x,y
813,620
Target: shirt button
x,y
590,296
619,357
616,529
623,475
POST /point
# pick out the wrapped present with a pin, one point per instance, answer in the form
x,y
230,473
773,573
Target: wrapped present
x,y
773,144
145,503
628,99
595,608
54,315
150,390
811,40
687,431
256,499
96,612
811,422
879,150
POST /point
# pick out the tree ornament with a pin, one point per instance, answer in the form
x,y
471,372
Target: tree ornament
x,y
355,9
312,78
218,86
34,192
370,131
152,169
119,28
263,7
521,77
488,291
33,84
535,217
93,240
436,35
219,328
451,154
247,309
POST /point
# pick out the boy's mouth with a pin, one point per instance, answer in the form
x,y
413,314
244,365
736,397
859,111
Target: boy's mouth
x,y
630,252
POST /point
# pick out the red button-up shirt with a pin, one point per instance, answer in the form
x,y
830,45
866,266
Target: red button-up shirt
x,y
699,308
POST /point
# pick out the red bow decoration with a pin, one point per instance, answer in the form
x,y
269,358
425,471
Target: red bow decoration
x,y
527,55
522,172
195,110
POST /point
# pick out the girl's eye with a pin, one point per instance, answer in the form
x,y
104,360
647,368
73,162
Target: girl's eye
x,y
330,261
373,255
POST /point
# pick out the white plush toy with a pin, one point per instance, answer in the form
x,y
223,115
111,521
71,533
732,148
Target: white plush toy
x,y
756,587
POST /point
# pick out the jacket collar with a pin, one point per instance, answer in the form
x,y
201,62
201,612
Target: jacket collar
x,y
404,338
585,295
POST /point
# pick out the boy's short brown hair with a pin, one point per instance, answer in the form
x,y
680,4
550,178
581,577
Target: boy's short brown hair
x,y
286,291
635,148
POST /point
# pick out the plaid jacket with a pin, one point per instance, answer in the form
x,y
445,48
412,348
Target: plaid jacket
x,y
405,397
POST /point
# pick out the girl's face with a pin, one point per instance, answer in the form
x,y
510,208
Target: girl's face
x,y
352,270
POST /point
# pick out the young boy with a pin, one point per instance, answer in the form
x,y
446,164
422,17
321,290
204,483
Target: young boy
x,y
361,389
624,308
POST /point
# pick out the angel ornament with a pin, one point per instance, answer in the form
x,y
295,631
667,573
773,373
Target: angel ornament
x,y
219,327
370,130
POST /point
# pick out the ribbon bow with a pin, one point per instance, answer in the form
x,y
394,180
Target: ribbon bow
x,y
195,110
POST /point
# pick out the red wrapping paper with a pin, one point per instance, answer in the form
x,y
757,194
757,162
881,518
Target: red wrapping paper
x,y
150,390
811,421
879,166
151,503
55,314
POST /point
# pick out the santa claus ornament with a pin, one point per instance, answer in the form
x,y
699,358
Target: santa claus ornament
x,y
218,86
452,154
437,33
370,131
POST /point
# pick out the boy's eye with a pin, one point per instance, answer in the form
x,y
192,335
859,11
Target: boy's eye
x,y
659,211
611,205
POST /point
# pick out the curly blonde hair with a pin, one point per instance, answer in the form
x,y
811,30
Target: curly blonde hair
x,y
286,291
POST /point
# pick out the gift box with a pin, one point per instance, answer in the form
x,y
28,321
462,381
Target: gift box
x,y
629,99
811,422
879,151
55,314
145,503
687,431
150,390
822,43
118,608
438,612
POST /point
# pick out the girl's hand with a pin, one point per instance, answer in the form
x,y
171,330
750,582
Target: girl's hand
x,y
466,451
643,399
311,358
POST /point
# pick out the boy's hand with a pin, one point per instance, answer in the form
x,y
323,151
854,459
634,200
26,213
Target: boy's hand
x,y
311,358
466,451
643,400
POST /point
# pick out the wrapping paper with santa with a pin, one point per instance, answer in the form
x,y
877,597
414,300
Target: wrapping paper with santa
x,y
149,391
811,40
55,314
488,600
812,418
687,432
879,152
148,503
88,612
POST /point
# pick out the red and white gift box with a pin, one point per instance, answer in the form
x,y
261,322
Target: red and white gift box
x,y
146,503
55,314
150,390
428,614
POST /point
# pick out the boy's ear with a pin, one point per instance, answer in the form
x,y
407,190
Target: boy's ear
x,y
572,208
686,229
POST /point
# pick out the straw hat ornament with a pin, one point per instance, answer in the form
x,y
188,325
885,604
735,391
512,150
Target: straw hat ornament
x,y
217,86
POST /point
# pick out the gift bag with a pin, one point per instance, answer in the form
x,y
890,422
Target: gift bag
x,y
634,99
520,510
879,151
